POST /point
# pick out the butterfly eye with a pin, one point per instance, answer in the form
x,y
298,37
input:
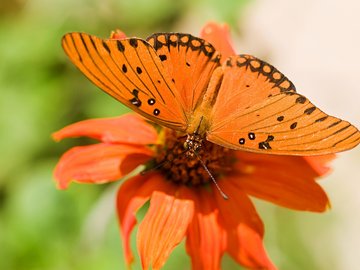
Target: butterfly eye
x,y
186,145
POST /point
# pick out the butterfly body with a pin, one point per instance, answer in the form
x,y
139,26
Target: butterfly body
x,y
180,81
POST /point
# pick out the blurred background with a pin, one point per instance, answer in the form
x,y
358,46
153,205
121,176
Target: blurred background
x,y
314,42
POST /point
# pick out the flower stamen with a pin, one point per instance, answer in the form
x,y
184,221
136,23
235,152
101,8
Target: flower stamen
x,y
193,162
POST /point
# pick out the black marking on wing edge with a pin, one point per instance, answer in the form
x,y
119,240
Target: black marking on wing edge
x,y
204,47
120,46
310,110
162,57
245,62
241,141
321,119
346,138
301,100
335,123
342,129
133,42
106,46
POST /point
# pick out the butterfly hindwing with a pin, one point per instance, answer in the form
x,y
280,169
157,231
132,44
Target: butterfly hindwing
x,y
258,110
190,62
130,71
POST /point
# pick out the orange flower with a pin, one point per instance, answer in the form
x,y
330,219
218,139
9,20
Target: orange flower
x,y
184,203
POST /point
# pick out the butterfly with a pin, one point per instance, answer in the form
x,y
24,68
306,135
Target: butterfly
x,y
176,80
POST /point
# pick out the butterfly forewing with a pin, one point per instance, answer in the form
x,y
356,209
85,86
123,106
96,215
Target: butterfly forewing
x,y
258,110
131,72
190,62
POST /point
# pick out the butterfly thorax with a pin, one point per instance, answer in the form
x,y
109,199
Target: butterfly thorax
x,y
201,116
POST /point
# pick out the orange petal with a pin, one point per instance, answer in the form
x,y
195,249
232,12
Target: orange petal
x,y
219,36
238,208
284,180
163,227
320,163
298,195
128,128
205,241
289,166
117,34
99,163
243,226
132,194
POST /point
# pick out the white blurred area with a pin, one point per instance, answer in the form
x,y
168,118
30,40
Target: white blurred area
x,y
316,44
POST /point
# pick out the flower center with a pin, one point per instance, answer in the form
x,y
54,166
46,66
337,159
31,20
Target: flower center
x,y
180,159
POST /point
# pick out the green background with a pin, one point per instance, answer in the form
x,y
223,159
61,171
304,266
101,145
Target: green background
x,y
44,228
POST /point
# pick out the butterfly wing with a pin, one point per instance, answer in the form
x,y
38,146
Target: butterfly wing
x,y
190,62
130,71
258,110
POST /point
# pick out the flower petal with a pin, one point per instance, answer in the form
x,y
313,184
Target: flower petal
x,y
284,180
320,163
244,227
163,227
129,128
205,241
99,163
132,194
219,36
117,34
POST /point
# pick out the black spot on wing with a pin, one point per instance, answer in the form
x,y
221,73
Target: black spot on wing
x,y
156,112
293,125
264,145
151,101
124,68
301,100
251,136
133,42
138,70
106,46
310,110
135,100
120,46
162,57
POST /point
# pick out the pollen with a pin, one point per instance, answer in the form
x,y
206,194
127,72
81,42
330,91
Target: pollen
x,y
175,162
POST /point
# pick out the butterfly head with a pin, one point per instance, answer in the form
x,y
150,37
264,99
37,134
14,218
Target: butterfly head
x,y
193,144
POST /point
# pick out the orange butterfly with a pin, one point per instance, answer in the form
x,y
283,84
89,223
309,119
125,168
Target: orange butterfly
x,y
177,81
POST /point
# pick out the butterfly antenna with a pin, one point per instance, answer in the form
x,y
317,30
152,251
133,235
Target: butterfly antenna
x,y
212,177
158,166
155,167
